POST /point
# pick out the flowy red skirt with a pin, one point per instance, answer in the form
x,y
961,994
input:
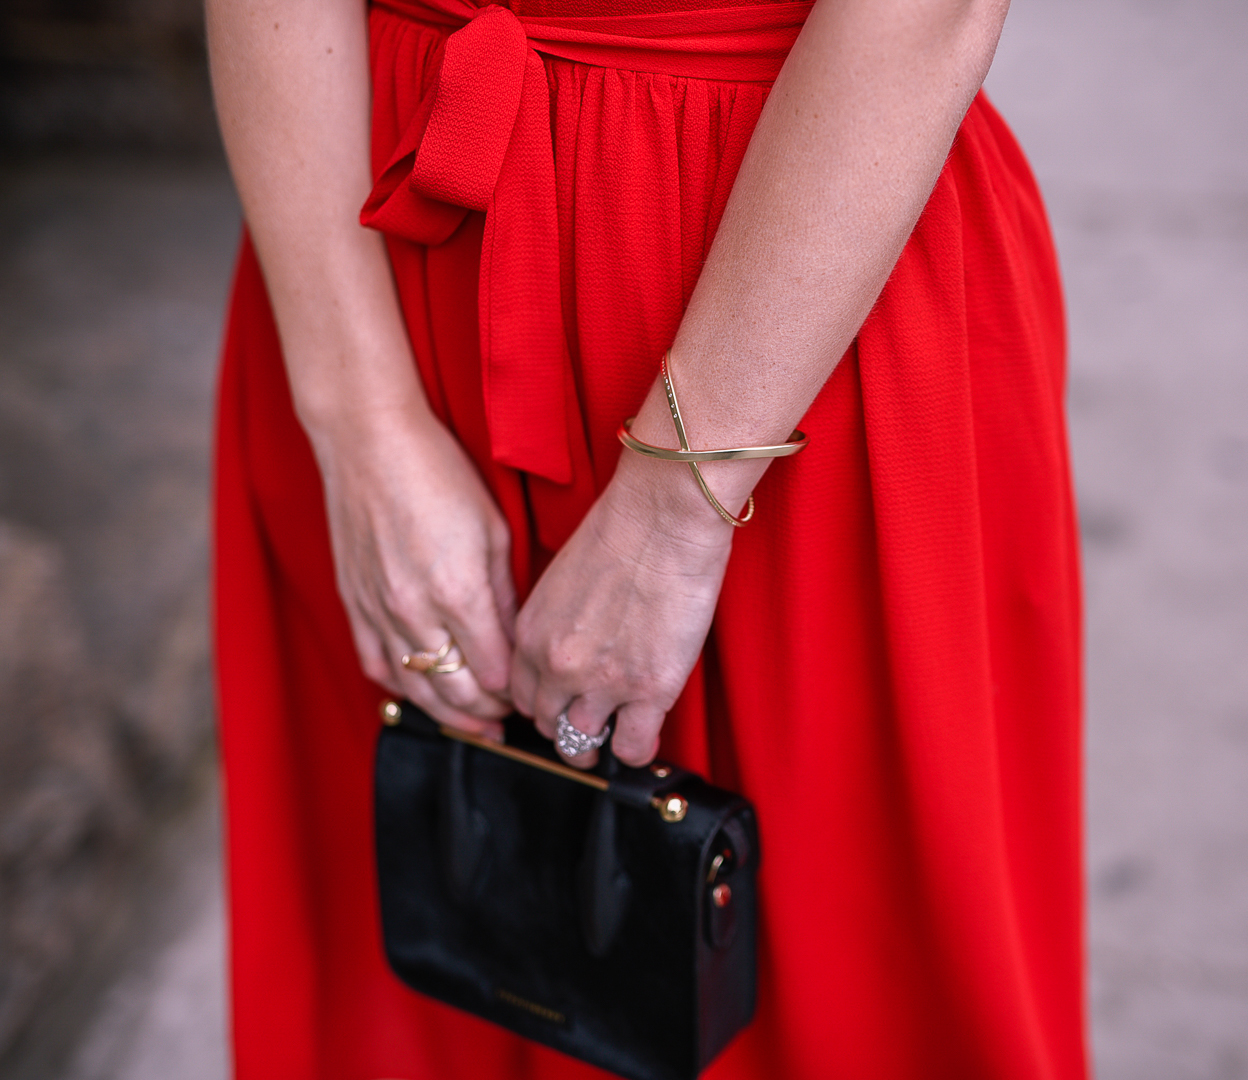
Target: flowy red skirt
x,y
893,674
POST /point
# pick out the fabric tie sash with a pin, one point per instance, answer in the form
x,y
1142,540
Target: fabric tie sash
x,y
481,140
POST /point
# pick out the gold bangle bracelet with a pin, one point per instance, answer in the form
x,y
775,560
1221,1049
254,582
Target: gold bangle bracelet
x,y
720,509
797,442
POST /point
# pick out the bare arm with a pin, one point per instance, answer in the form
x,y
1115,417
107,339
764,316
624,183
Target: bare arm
x,y
420,548
844,157
843,160
292,92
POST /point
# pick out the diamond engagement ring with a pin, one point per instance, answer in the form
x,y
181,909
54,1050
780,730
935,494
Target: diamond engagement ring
x,y
573,742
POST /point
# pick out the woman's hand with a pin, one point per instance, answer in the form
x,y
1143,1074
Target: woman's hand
x,y
420,548
421,553
618,620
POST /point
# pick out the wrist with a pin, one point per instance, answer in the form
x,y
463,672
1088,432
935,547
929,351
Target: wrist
x,y
666,497
352,433
654,523
668,491
349,395
350,366
353,418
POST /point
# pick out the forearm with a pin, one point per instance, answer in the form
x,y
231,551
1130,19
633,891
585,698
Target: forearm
x,y
843,159
421,552
292,90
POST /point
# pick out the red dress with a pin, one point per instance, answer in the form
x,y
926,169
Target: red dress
x,y
893,675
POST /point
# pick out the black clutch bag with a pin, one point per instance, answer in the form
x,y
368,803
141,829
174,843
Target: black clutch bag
x,y
608,914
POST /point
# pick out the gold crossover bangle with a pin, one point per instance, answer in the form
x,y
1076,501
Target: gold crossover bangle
x,y
797,442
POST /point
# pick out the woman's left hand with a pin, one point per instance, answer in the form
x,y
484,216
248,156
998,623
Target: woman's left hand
x,y
618,620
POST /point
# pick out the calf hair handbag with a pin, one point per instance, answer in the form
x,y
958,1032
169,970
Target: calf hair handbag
x,y
610,914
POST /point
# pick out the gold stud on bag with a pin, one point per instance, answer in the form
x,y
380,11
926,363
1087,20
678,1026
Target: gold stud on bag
x,y
609,914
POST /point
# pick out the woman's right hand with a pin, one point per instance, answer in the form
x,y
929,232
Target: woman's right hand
x,y
422,554
420,549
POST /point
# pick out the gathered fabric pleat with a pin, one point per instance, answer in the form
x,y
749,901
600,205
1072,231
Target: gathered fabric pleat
x,y
893,675
484,144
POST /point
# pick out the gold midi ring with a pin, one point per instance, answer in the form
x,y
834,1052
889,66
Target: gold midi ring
x,y
435,663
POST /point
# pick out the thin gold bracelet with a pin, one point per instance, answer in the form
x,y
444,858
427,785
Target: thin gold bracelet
x,y
796,443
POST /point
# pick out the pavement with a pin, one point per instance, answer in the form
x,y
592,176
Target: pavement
x,y
1135,116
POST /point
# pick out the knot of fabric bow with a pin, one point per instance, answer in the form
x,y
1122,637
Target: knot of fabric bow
x,y
481,140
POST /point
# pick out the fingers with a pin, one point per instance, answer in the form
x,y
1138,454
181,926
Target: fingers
x,y
460,688
379,667
428,699
542,696
637,727
449,695
468,617
501,583
478,631
636,738
421,553
547,705
590,716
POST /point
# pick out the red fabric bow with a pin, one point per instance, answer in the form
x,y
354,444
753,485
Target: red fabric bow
x,y
481,140
484,144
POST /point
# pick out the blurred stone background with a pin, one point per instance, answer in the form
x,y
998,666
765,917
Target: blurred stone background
x,y
117,227
104,74
117,224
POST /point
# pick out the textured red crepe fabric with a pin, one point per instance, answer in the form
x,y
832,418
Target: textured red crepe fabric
x,y
893,673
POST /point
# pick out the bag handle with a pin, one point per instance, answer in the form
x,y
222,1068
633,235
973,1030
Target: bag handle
x,y
639,787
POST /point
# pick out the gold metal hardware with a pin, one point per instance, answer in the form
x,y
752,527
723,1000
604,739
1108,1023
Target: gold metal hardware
x,y
671,807
530,1006
721,894
661,771
716,865
516,754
